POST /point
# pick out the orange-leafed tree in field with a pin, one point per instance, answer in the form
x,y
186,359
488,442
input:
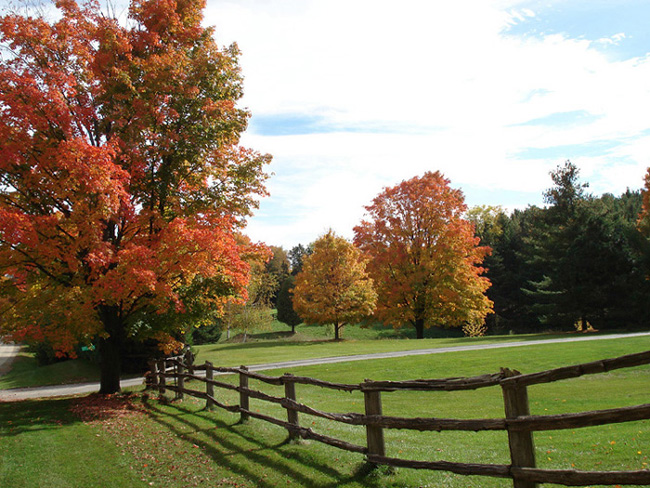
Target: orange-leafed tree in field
x,y
424,257
333,286
122,184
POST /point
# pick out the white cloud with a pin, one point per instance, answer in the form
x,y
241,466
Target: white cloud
x,y
456,88
612,40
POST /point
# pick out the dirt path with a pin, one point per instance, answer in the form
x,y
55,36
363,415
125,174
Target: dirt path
x,y
66,390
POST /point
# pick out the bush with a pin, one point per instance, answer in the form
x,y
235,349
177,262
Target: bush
x,y
475,329
208,334
45,353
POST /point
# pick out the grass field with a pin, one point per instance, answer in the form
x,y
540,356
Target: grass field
x,y
150,444
233,354
267,346
25,372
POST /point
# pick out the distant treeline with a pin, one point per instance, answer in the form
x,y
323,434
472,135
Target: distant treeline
x,y
579,262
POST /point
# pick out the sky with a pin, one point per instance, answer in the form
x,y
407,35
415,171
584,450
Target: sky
x,y
353,96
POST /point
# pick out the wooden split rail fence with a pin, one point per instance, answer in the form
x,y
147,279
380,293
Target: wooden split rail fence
x,y
518,422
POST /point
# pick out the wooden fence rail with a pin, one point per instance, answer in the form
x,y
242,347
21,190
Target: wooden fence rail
x,y
519,424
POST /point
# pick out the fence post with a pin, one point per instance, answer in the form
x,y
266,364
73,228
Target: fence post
x,y
243,395
374,433
188,358
290,394
180,370
209,387
522,448
152,378
162,369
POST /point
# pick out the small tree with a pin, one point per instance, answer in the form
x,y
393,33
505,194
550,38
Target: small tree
x,y
286,312
255,312
333,286
244,318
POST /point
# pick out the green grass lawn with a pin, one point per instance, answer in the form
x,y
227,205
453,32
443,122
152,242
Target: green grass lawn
x,y
42,444
262,352
182,445
266,346
25,372
313,341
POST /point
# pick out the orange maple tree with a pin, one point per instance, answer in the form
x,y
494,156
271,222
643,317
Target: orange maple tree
x,y
424,257
122,184
333,286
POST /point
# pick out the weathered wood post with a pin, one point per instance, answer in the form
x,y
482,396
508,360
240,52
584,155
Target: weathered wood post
x,y
152,378
290,394
162,370
188,358
374,433
522,448
209,387
243,394
180,371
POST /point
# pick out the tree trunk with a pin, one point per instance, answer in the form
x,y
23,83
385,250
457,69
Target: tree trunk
x,y
110,351
337,333
419,328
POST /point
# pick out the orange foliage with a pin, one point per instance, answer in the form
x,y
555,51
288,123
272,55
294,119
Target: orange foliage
x,y
424,257
122,185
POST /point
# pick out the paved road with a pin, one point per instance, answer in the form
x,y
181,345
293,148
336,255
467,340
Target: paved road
x,y
65,390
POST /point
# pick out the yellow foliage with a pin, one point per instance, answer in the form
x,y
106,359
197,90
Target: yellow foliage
x,y
333,286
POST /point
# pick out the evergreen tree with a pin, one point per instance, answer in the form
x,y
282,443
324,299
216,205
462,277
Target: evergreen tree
x,y
286,314
278,269
586,254
554,252
297,255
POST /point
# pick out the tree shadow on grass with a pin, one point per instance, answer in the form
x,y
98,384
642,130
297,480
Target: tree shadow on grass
x,y
269,344
228,441
271,336
34,415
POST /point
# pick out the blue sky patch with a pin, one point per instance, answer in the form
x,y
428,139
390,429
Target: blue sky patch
x,y
303,124
569,151
508,199
287,124
591,20
563,119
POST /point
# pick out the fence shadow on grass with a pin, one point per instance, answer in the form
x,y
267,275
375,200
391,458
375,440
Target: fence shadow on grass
x,y
223,449
519,424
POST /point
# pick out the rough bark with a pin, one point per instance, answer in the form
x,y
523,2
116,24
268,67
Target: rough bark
x,y
338,331
110,351
419,328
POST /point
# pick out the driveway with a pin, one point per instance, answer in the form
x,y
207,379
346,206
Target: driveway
x,y
82,388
